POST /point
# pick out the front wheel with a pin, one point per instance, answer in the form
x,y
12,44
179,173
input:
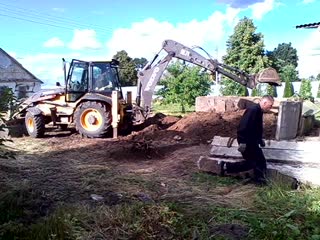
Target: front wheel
x,y
92,119
35,125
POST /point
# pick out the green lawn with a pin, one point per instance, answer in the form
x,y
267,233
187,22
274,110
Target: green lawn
x,y
171,109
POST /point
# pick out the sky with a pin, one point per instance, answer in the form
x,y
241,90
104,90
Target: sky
x,y
40,33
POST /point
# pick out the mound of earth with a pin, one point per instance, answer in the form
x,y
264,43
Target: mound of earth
x,y
198,127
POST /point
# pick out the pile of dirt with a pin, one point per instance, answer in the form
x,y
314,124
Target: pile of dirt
x,y
199,126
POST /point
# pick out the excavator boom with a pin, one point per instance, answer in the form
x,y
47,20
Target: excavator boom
x,y
152,72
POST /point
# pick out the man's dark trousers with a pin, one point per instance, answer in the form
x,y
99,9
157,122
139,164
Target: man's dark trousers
x,y
254,159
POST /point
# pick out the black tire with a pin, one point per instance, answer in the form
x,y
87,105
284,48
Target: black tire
x,y
35,125
93,119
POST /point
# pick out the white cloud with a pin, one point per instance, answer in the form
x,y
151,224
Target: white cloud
x,y
308,1
261,8
47,67
54,42
59,9
85,39
309,56
144,39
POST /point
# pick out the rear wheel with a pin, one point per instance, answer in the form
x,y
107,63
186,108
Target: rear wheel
x,y
35,125
93,119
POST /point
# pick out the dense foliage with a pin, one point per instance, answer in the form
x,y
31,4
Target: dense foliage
x,y
305,89
128,71
183,84
272,91
129,68
283,55
6,102
288,89
245,51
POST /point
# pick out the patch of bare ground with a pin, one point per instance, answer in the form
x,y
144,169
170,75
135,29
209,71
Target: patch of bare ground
x,y
158,159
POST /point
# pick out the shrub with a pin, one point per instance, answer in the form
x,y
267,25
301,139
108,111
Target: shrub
x,y
305,89
288,89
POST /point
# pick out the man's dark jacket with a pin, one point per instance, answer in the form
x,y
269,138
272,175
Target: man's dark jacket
x,y
251,126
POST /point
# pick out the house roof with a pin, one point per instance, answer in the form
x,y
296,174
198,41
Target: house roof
x,y
7,60
309,25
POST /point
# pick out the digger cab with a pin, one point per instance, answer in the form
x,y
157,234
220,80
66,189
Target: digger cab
x,y
91,77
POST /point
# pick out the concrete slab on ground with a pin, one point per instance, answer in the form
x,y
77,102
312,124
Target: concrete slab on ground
x,y
298,160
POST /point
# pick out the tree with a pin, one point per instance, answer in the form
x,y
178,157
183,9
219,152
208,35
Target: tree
x,y
289,73
312,78
284,54
272,90
245,51
318,79
288,89
254,92
258,91
140,63
6,99
183,84
128,70
305,89
318,92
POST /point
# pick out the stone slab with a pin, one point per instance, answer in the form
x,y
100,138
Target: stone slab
x,y
284,174
291,152
292,161
288,119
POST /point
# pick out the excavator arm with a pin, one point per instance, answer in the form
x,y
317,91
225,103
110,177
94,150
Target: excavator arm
x,y
150,75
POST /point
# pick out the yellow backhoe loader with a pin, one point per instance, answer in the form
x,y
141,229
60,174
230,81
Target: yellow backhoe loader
x,y
86,99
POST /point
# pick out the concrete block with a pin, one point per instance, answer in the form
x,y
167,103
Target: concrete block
x,y
288,120
220,105
223,104
306,125
284,175
211,164
288,162
205,104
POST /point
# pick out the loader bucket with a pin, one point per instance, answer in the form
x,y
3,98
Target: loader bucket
x,y
268,75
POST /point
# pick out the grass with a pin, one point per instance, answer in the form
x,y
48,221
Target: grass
x,y
276,213
171,109
272,212
213,180
23,217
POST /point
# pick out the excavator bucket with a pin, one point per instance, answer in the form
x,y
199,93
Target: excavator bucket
x,y
268,75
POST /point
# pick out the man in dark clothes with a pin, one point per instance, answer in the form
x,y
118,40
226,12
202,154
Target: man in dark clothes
x,y
249,136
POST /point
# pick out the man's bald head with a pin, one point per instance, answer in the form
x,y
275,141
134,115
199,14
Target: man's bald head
x,y
266,102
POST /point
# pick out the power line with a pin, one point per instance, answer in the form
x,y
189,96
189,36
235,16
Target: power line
x,y
32,12
47,19
32,21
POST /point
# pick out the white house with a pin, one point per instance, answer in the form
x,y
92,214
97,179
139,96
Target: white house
x,y
15,76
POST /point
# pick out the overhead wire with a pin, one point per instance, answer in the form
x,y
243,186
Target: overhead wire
x,y
29,15
32,16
